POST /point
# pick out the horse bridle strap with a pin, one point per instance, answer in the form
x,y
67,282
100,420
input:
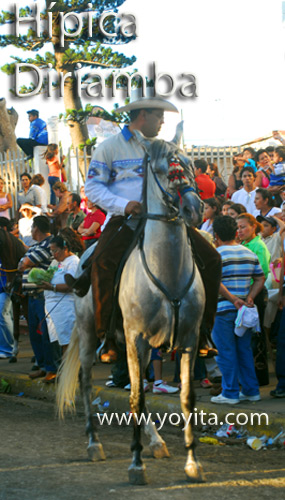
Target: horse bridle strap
x,y
175,302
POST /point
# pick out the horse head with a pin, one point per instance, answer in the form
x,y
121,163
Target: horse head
x,y
174,175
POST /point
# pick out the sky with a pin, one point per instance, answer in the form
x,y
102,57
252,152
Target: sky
x,y
235,50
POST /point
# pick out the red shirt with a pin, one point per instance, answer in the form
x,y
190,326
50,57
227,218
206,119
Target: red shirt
x,y
90,218
206,186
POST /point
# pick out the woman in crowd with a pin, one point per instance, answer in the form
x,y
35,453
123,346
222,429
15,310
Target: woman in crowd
x,y
213,172
59,299
236,209
55,168
235,182
248,233
59,212
28,193
38,181
264,203
212,209
225,207
263,161
5,200
84,199
90,228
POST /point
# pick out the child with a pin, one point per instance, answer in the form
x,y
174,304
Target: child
x,y
55,168
277,179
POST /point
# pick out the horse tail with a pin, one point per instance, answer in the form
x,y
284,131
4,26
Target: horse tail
x,y
68,376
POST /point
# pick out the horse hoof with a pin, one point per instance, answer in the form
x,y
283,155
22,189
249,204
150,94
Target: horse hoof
x,y
159,450
13,359
194,473
95,452
137,475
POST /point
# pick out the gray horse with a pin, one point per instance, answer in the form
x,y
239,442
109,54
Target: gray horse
x,y
162,301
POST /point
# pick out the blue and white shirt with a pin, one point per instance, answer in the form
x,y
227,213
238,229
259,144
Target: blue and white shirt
x,y
116,173
239,266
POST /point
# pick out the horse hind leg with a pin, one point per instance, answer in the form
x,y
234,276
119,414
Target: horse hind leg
x,y
136,470
193,468
94,449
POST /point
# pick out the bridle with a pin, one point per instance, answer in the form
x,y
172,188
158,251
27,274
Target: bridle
x,y
176,171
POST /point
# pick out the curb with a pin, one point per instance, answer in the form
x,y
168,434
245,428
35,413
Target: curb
x,y
118,400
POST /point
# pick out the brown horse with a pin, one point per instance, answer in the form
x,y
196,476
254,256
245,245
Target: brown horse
x,y
11,251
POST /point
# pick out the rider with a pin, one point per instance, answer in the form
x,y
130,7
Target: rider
x,y
114,182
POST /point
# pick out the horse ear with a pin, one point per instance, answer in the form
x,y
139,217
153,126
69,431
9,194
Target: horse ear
x,y
142,140
179,133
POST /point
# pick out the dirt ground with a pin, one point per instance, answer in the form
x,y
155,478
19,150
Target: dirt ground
x,y
44,459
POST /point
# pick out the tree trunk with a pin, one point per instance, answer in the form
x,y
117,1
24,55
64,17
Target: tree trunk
x,y
78,131
8,122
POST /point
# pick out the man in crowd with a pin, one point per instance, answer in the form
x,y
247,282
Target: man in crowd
x,y
38,134
246,195
115,181
240,268
205,185
76,216
40,256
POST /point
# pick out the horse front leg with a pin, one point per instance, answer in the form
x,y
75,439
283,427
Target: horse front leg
x,y
137,403
193,468
157,445
95,449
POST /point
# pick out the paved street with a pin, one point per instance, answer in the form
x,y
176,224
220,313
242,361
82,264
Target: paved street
x,y
44,459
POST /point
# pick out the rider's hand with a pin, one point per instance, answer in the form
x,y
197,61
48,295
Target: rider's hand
x,y
133,207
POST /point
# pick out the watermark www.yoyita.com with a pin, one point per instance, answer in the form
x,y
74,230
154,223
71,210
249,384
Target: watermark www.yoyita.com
x,y
178,419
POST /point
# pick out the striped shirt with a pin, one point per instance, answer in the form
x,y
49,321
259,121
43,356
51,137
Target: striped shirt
x,y
41,257
239,266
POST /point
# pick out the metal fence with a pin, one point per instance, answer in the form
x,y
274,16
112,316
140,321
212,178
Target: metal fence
x,y
12,165
221,156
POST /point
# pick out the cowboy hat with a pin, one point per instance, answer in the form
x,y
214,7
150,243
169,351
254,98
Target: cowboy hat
x,y
148,102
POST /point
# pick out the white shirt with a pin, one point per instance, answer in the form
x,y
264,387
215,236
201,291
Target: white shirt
x,y
207,226
272,211
43,198
246,199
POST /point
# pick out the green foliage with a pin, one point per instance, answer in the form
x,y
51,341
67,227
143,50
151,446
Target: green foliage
x,y
90,143
82,115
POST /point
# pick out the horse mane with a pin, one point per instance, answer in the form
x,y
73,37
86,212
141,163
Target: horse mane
x,y
158,148
11,249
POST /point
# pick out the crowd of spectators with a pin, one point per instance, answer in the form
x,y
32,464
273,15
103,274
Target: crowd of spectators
x,y
246,223
244,219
